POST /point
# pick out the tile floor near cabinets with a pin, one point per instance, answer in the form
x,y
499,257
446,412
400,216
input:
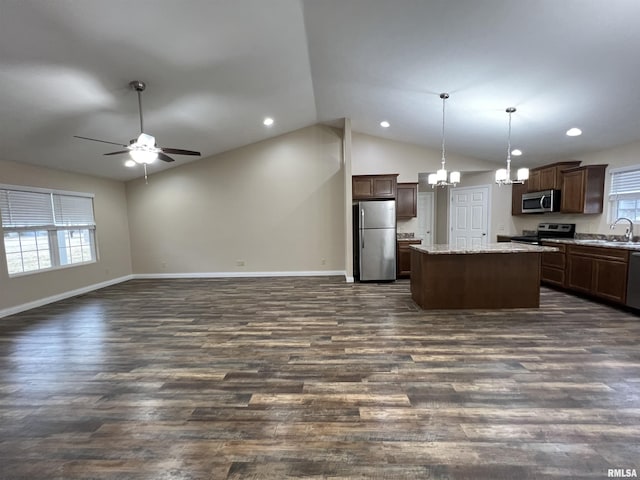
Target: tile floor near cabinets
x,y
314,378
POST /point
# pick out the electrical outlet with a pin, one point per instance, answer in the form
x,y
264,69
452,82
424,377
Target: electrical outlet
x,y
239,263
164,265
323,261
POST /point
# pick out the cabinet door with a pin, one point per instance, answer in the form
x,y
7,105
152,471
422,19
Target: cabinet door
x,y
404,260
553,259
407,200
583,189
384,187
533,183
580,273
517,189
610,280
554,276
404,257
362,187
548,179
573,191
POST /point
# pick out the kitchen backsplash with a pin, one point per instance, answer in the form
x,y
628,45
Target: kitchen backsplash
x,y
405,235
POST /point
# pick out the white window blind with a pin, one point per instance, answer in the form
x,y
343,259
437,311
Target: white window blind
x,y
72,210
625,182
25,209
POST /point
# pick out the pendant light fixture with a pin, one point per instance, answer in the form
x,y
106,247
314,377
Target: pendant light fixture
x,y
439,179
503,175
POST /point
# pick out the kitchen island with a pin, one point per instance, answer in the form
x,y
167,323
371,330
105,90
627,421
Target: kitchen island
x,y
497,275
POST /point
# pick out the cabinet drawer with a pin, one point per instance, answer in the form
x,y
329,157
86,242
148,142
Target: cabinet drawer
x,y
553,259
552,275
599,252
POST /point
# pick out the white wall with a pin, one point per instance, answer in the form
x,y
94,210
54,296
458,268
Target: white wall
x,y
617,157
277,206
112,235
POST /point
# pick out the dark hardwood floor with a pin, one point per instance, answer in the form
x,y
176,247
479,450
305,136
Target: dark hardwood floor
x,y
314,378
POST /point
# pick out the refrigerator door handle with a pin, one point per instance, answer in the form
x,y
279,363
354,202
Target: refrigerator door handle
x,y
362,236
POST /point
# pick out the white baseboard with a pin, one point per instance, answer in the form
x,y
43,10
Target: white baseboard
x,y
89,288
62,296
318,273
349,279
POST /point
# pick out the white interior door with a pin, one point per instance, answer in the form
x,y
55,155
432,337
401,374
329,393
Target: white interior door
x,y
469,218
425,217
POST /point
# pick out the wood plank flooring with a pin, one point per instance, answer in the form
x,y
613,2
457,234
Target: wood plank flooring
x,y
314,378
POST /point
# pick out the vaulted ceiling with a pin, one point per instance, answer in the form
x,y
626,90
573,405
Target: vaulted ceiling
x,y
215,69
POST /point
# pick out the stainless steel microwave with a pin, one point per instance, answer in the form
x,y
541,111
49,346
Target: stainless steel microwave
x,y
541,202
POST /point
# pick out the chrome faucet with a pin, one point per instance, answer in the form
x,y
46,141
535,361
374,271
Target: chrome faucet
x,y
629,232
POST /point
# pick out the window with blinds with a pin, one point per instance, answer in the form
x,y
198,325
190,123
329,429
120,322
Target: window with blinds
x,y
624,193
46,229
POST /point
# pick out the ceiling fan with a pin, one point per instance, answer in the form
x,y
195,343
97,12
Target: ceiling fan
x,y
143,150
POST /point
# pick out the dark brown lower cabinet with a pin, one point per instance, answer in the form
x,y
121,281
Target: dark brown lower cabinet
x,y
553,266
601,272
403,257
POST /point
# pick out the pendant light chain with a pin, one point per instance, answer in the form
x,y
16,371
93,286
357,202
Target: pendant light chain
x,y
503,175
510,111
444,97
439,179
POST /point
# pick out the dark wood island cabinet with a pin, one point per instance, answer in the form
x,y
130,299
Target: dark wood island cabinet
x,y
497,275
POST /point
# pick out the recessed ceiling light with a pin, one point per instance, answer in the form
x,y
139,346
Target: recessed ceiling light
x,y
516,152
268,122
130,163
385,124
574,132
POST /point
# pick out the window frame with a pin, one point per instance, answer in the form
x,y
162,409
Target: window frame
x,y
615,198
60,225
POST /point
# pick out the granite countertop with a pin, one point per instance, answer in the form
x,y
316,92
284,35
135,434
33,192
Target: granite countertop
x,y
596,243
502,247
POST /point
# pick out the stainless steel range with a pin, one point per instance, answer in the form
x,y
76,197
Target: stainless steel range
x,y
548,230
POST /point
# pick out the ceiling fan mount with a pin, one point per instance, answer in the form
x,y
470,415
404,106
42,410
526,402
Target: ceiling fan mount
x,y
138,85
143,149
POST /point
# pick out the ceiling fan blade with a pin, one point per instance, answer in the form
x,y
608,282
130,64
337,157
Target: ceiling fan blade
x,y
177,151
101,141
117,153
165,158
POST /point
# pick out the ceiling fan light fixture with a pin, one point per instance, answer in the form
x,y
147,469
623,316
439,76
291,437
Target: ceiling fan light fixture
x,y
146,140
130,163
144,156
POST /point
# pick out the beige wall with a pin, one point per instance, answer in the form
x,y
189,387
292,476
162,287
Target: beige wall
x,y
622,156
112,233
277,206
376,155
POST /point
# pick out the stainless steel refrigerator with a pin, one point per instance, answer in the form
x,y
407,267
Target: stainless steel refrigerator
x,y
375,240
